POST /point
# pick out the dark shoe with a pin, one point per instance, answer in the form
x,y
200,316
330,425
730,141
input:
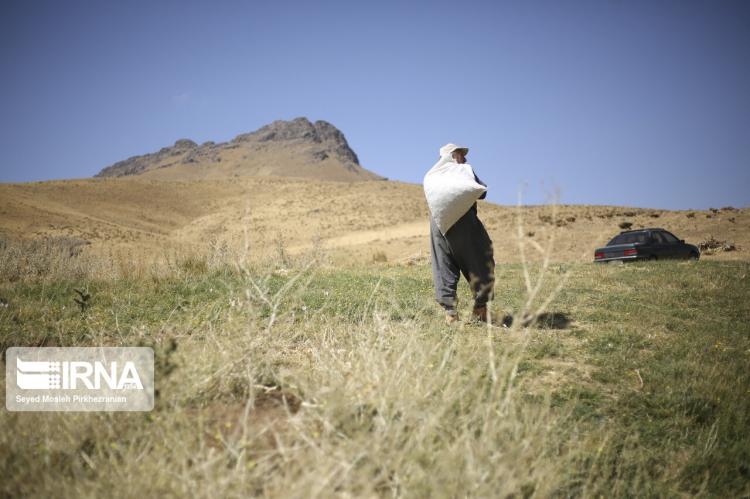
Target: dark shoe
x,y
479,314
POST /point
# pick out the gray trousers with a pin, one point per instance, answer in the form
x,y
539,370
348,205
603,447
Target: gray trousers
x,y
465,249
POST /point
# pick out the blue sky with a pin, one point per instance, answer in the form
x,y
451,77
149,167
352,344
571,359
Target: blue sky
x,y
636,103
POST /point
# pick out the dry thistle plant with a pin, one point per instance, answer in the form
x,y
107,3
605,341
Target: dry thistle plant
x,y
535,304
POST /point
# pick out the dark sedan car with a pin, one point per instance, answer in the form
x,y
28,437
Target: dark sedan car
x,y
645,244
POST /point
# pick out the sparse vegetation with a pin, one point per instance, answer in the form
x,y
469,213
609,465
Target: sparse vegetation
x,y
82,300
547,219
298,380
137,215
712,245
379,256
625,225
39,258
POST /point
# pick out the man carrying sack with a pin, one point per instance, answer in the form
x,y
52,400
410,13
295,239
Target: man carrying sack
x,y
459,242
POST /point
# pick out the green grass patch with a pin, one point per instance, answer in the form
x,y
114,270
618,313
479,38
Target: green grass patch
x,y
635,382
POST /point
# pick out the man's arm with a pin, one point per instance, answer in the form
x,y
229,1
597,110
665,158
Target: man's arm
x,y
484,194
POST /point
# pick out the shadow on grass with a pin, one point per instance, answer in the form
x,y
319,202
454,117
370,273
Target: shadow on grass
x,y
546,320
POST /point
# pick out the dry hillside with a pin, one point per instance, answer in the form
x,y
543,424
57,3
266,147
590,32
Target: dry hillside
x,y
354,220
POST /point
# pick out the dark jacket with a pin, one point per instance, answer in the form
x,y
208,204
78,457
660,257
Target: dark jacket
x,y
480,182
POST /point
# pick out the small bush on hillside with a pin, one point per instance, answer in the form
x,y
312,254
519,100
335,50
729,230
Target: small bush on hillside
x,y
379,257
712,244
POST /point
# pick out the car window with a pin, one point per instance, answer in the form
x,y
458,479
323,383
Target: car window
x,y
629,238
658,238
669,237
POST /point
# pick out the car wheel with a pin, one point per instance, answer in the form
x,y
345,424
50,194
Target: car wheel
x,y
694,256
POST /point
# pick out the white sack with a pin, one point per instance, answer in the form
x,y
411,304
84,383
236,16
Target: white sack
x,y
451,189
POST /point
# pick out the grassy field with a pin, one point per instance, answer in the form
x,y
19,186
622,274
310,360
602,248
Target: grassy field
x,y
296,379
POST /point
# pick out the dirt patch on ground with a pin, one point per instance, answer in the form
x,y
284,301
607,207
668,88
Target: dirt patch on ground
x,y
257,421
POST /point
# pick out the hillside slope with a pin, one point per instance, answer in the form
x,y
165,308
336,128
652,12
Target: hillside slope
x,y
353,220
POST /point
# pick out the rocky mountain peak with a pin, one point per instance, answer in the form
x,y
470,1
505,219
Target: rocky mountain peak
x,y
311,144
185,144
302,130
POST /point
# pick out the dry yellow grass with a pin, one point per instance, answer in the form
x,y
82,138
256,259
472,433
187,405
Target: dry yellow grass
x,y
353,220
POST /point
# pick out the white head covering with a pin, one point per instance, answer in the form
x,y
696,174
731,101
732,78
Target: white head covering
x,y
447,149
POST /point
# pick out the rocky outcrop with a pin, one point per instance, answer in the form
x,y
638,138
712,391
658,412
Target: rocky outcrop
x,y
307,143
302,130
139,164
